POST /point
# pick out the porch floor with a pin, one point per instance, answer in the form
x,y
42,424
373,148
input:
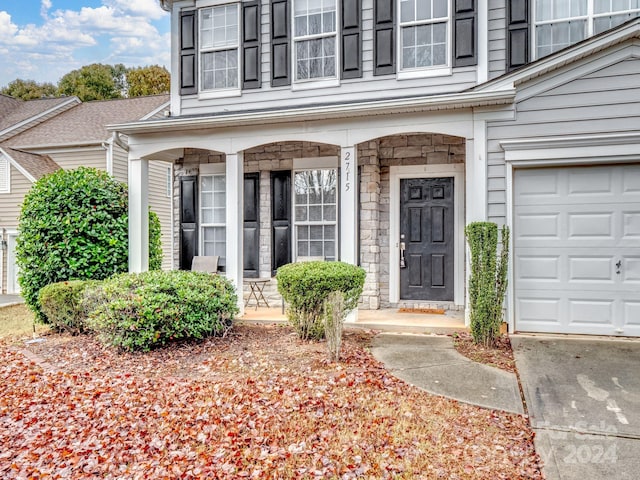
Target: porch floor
x,y
387,319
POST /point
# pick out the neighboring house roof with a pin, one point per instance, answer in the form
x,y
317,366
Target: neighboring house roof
x,y
627,31
33,166
86,122
18,115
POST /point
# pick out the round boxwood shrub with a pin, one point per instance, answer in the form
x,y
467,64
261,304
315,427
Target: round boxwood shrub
x,y
306,285
62,304
141,311
74,226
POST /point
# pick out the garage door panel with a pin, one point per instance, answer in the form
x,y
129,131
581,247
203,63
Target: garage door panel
x,y
576,233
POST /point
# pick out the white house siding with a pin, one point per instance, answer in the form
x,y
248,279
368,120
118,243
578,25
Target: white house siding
x,y
497,37
604,101
366,88
71,158
10,206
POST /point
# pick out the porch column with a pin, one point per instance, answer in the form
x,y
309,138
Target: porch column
x,y
349,212
138,215
234,222
348,205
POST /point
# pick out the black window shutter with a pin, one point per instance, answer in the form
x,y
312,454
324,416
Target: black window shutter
x,y
188,220
251,230
188,47
280,219
251,44
465,33
517,33
384,57
280,43
351,39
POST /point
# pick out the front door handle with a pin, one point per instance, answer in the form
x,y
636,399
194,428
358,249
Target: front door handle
x,y
403,263
618,266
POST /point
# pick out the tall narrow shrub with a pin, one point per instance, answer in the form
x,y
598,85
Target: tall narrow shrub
x,y
488,280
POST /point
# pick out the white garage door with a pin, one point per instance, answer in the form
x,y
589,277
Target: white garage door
x,y
576,237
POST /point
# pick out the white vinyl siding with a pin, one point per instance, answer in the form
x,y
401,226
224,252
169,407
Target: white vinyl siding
x,y
219,44
560,23
5,175
423,33
213,216
316,213
315,43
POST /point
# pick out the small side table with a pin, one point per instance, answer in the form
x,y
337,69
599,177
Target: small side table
x,y
257,287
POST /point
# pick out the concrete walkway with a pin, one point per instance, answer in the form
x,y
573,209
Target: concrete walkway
x,y
432,364
583,397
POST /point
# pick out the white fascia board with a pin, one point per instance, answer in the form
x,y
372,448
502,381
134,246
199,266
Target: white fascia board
x,y
17,166
325,112
40,115
54,148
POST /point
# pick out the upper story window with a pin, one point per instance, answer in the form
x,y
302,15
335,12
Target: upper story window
x,y
219,44
314,36
560,23
423,33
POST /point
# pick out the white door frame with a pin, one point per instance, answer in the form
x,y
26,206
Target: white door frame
x,y
12,268
396,173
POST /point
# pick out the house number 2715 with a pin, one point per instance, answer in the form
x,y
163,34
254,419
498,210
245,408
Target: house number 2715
x,y
347,171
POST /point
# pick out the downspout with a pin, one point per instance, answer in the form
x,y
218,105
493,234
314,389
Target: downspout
x,y
119,142
108,146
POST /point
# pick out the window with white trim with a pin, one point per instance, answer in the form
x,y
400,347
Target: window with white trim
x,y
219,45
213,240
560,23
316,213
5,171
315,39
424,34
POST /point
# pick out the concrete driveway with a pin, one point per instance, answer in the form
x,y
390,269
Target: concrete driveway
x,y
583,397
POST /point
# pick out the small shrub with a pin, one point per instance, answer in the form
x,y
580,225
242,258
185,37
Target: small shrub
x,y
74,226
306,285
61,302
488,280
147,310
333,312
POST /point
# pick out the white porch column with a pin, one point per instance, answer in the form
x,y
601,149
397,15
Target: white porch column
x,y
348,205
349,212
138,215
235,213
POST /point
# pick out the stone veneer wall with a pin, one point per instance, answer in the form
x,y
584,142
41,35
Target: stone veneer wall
x,y
374,159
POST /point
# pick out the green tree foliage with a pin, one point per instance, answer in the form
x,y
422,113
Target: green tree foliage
x,y
488,280
94,82
305,286
29,89
151,80
73,226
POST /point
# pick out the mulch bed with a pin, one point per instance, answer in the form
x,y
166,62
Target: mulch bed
x,y
500,356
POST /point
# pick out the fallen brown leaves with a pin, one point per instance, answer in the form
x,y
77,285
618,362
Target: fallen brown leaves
x,y
500,356
258,404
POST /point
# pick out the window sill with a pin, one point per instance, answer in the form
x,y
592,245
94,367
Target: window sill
x,y
314,84
424,73
209,94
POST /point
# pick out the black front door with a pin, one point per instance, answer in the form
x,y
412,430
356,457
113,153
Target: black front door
x,y
426,239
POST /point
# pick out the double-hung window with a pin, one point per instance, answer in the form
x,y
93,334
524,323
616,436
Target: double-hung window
x,y
560,23
424,26
219,45
316,212
315,39
213,216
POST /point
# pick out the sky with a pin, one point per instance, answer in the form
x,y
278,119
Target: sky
x,y
42,40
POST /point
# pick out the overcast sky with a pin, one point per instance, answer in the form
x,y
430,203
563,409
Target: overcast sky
x,y
44,39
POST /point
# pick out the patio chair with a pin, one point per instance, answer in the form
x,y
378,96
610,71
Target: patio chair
x,y
205,263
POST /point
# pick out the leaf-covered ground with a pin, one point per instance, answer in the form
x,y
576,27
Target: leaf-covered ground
x,y
257,404
500,355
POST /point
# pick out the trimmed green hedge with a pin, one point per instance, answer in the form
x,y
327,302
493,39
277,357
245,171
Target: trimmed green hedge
x,y
74,226
147,310
61,302
306,285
